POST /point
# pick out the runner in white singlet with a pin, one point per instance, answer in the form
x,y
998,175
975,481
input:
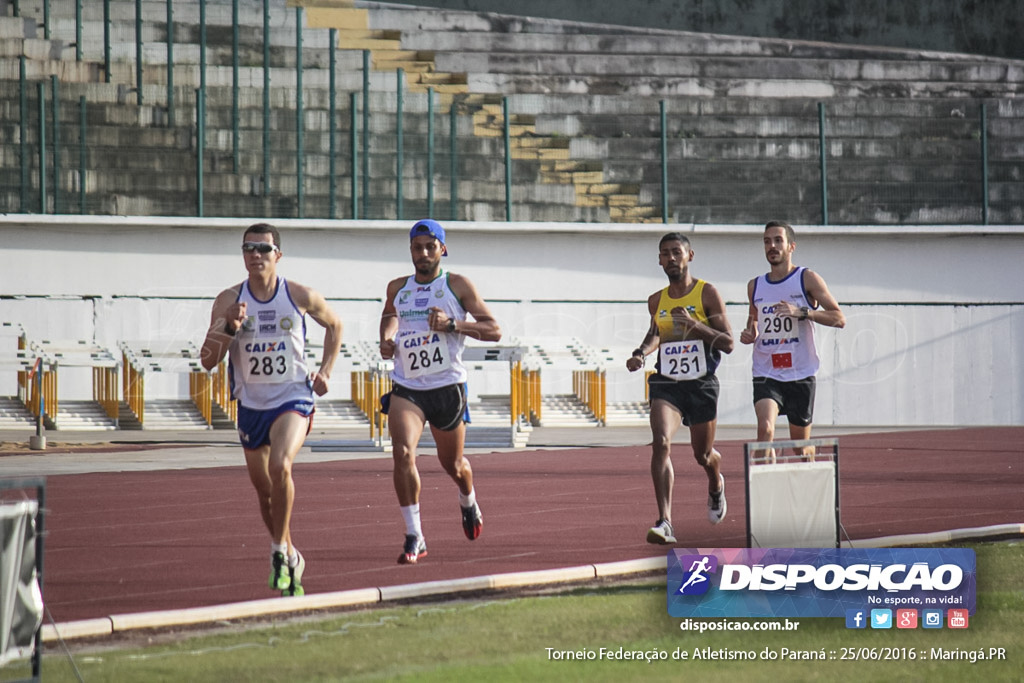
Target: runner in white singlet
x,y
260,324
423,328
784,305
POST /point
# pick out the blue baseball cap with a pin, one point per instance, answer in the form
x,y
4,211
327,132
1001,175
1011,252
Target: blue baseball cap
x,y
430,227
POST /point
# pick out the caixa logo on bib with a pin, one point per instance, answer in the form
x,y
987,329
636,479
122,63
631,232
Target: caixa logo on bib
x,y
813,582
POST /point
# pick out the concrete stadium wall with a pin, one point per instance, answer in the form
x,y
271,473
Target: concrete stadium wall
x,y
986,28
935,314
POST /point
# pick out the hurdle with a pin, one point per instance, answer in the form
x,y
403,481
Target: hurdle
x,y
21,578
792,500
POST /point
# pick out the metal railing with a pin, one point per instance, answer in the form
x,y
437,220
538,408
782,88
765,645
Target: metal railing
x,y
140,358
367,388
590,388
73,353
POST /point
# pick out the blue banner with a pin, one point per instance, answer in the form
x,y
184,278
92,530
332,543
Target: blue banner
x,y
818,582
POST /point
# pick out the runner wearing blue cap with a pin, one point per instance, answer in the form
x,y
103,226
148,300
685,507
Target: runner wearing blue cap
x,y
424,327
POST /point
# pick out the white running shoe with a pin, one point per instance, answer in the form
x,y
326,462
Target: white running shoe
x,y
716,503
661,533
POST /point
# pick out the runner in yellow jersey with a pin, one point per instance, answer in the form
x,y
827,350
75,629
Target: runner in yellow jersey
x,y
689,331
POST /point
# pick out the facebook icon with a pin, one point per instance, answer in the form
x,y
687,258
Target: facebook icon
x,y
856,618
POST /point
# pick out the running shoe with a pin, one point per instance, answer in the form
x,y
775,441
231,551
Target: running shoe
x,y
661,533
415,548
716,503
472,521
280,577
296,577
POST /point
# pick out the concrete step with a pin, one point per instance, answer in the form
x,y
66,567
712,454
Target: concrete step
x,y
642,86
172,414
645,152
756,127
484,437
428,19
610,66
82,415
337,413
665,43
565,410
491,412
551,105
14,414
627,414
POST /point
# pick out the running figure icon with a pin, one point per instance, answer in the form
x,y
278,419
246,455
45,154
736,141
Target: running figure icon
x,y
697,571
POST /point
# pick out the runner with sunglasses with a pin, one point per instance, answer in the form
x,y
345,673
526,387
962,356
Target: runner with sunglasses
x,y
261,325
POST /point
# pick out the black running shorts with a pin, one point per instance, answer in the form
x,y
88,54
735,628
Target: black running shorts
x,y
696,399
795,399
444,408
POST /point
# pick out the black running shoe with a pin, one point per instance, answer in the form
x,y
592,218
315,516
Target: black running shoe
x,y
472,521
280,578
415,548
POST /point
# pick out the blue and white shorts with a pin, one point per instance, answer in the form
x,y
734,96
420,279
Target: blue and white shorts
x,y
254,425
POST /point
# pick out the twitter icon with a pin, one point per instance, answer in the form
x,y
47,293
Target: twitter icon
x,y
881,618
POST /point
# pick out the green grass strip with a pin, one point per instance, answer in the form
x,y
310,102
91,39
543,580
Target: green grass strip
x,y
517,639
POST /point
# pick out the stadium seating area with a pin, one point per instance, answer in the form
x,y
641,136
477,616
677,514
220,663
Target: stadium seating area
x,y
903,129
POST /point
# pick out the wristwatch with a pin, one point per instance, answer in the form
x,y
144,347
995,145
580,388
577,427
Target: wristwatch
x,y
451,325
804,312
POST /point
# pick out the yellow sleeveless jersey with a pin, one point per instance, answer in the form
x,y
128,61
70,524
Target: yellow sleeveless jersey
x,y
679,358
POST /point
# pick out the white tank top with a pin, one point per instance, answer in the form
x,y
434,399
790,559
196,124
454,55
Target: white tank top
x,y
784,349
267,356
425,359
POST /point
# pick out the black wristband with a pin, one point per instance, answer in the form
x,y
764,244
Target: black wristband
x,y
638,352
230,331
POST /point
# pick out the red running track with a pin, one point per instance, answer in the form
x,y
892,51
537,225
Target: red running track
x,y
139,541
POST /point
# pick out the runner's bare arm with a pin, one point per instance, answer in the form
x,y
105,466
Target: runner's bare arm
x,y
717,331
749,333
828,312
651,340
226,319
313,303
389,320
483,326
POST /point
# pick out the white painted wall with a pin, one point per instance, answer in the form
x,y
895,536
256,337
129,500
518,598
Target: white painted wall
x,y
935,314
